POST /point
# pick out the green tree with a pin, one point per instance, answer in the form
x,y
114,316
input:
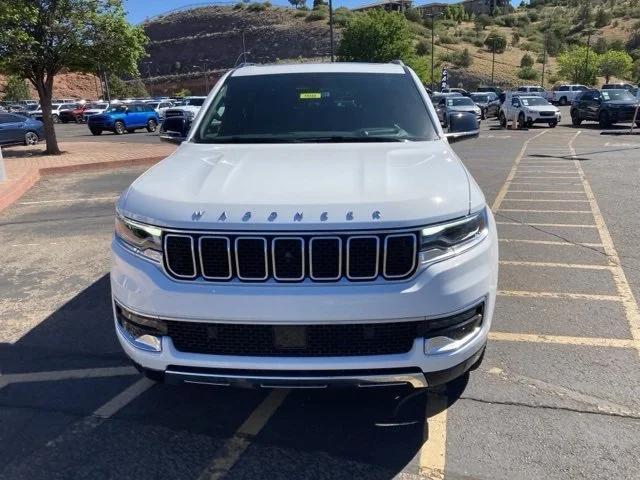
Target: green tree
x,y
482,21
40,38
183,92
15,89
615,63
526,61
318,3
603,18
496,40
298,3
580,65
137,89
376,36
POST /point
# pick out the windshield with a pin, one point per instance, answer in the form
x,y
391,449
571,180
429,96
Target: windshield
x,y
480,98
196,102
116,108
322,107
617,95
459,101
533,101
153,104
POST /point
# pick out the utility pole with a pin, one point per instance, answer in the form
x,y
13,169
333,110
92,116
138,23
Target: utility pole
x,y
244,48
148,64
433,36
586,61
544,58
493,59
331,29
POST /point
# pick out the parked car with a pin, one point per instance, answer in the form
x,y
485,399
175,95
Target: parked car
x,y
533,90
56,110
74,115
264,252
161,107
528,109
461,91
448,105
94,109
485,88
605,107
566,94
124,118
20,130
488,102
621,86
189,108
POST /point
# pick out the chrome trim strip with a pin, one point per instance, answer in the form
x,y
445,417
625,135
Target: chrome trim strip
x,y
325,279
273,259
360,237
416,380
228,257
193,256
266,259
415,254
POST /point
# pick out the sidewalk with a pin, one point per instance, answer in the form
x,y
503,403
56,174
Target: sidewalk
x,y
25,165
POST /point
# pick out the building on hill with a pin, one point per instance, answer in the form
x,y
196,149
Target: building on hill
x,y
388,5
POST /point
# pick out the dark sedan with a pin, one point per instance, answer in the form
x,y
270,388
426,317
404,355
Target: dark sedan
x,y
488,102
605,107
19,130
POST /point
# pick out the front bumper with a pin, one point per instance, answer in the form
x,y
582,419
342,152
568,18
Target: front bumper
x,y
539,119
441,290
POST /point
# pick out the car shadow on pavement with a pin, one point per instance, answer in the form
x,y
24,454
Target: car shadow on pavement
x,y
178,431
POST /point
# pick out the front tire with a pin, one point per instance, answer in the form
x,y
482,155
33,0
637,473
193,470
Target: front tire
x,y
119,128
55,118
152,125
563,101
521,121
31,139
96,131
503,120
603,120
576,121
553,124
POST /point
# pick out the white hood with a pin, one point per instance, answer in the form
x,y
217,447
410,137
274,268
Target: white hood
x,y
409,184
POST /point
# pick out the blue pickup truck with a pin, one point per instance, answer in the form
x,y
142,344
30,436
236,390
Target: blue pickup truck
x,y
123,118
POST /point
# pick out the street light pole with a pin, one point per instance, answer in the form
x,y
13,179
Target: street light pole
x,y
493,58
433,36
149,77
331,29
544,58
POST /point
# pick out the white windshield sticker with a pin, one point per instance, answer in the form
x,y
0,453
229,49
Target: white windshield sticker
x,y
525,102
605,95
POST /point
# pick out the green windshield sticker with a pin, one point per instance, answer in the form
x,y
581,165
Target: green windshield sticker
x,y
310,96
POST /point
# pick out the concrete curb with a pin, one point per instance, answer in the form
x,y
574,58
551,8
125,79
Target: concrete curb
x,y
21,185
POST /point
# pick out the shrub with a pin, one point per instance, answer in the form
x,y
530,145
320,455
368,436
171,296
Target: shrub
x,y
496,40
527,73
526,61
316,15
256,7
603,18
482,21
423,47
341,16
445,39
515,38
238,6
300,13
413,15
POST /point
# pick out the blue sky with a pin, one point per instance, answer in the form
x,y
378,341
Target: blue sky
x,y
141,9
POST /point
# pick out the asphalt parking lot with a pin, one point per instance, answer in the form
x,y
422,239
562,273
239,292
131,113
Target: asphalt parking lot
x,y
557,397
79,132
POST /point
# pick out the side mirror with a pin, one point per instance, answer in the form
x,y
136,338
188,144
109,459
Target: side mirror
x,y
174,130
462,126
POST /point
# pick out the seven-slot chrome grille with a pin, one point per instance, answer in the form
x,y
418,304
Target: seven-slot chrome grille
x,y
290,257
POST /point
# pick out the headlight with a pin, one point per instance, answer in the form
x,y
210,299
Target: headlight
x,y
143,239
445,240
189,115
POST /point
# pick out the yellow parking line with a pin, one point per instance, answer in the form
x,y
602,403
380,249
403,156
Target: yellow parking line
x,y
628,300
562,340
563,225
433,451
519,263
560,295
548,242
555,200
233,448
547,191
512,173
542,211
50,376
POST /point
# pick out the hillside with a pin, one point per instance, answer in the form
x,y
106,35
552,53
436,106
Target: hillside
x,y
68,85
214,35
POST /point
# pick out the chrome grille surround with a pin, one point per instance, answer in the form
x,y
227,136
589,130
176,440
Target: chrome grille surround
x,y
262,257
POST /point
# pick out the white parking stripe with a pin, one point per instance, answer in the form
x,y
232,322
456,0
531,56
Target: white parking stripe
x,y
579,266
67,374
563,225
70,200
548,242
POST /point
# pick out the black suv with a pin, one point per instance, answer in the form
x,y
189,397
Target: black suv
x,y
604,106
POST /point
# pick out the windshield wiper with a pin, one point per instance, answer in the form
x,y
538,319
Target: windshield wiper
x,y
349,139
248,139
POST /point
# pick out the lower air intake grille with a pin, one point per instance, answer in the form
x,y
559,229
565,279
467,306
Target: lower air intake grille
x,y
316,340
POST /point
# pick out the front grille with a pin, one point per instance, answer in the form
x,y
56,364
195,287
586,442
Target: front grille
x,y
547,114
321,258
316,340
174,113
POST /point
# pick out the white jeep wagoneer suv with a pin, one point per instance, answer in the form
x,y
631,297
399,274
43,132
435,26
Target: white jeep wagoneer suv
x,y
314,229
